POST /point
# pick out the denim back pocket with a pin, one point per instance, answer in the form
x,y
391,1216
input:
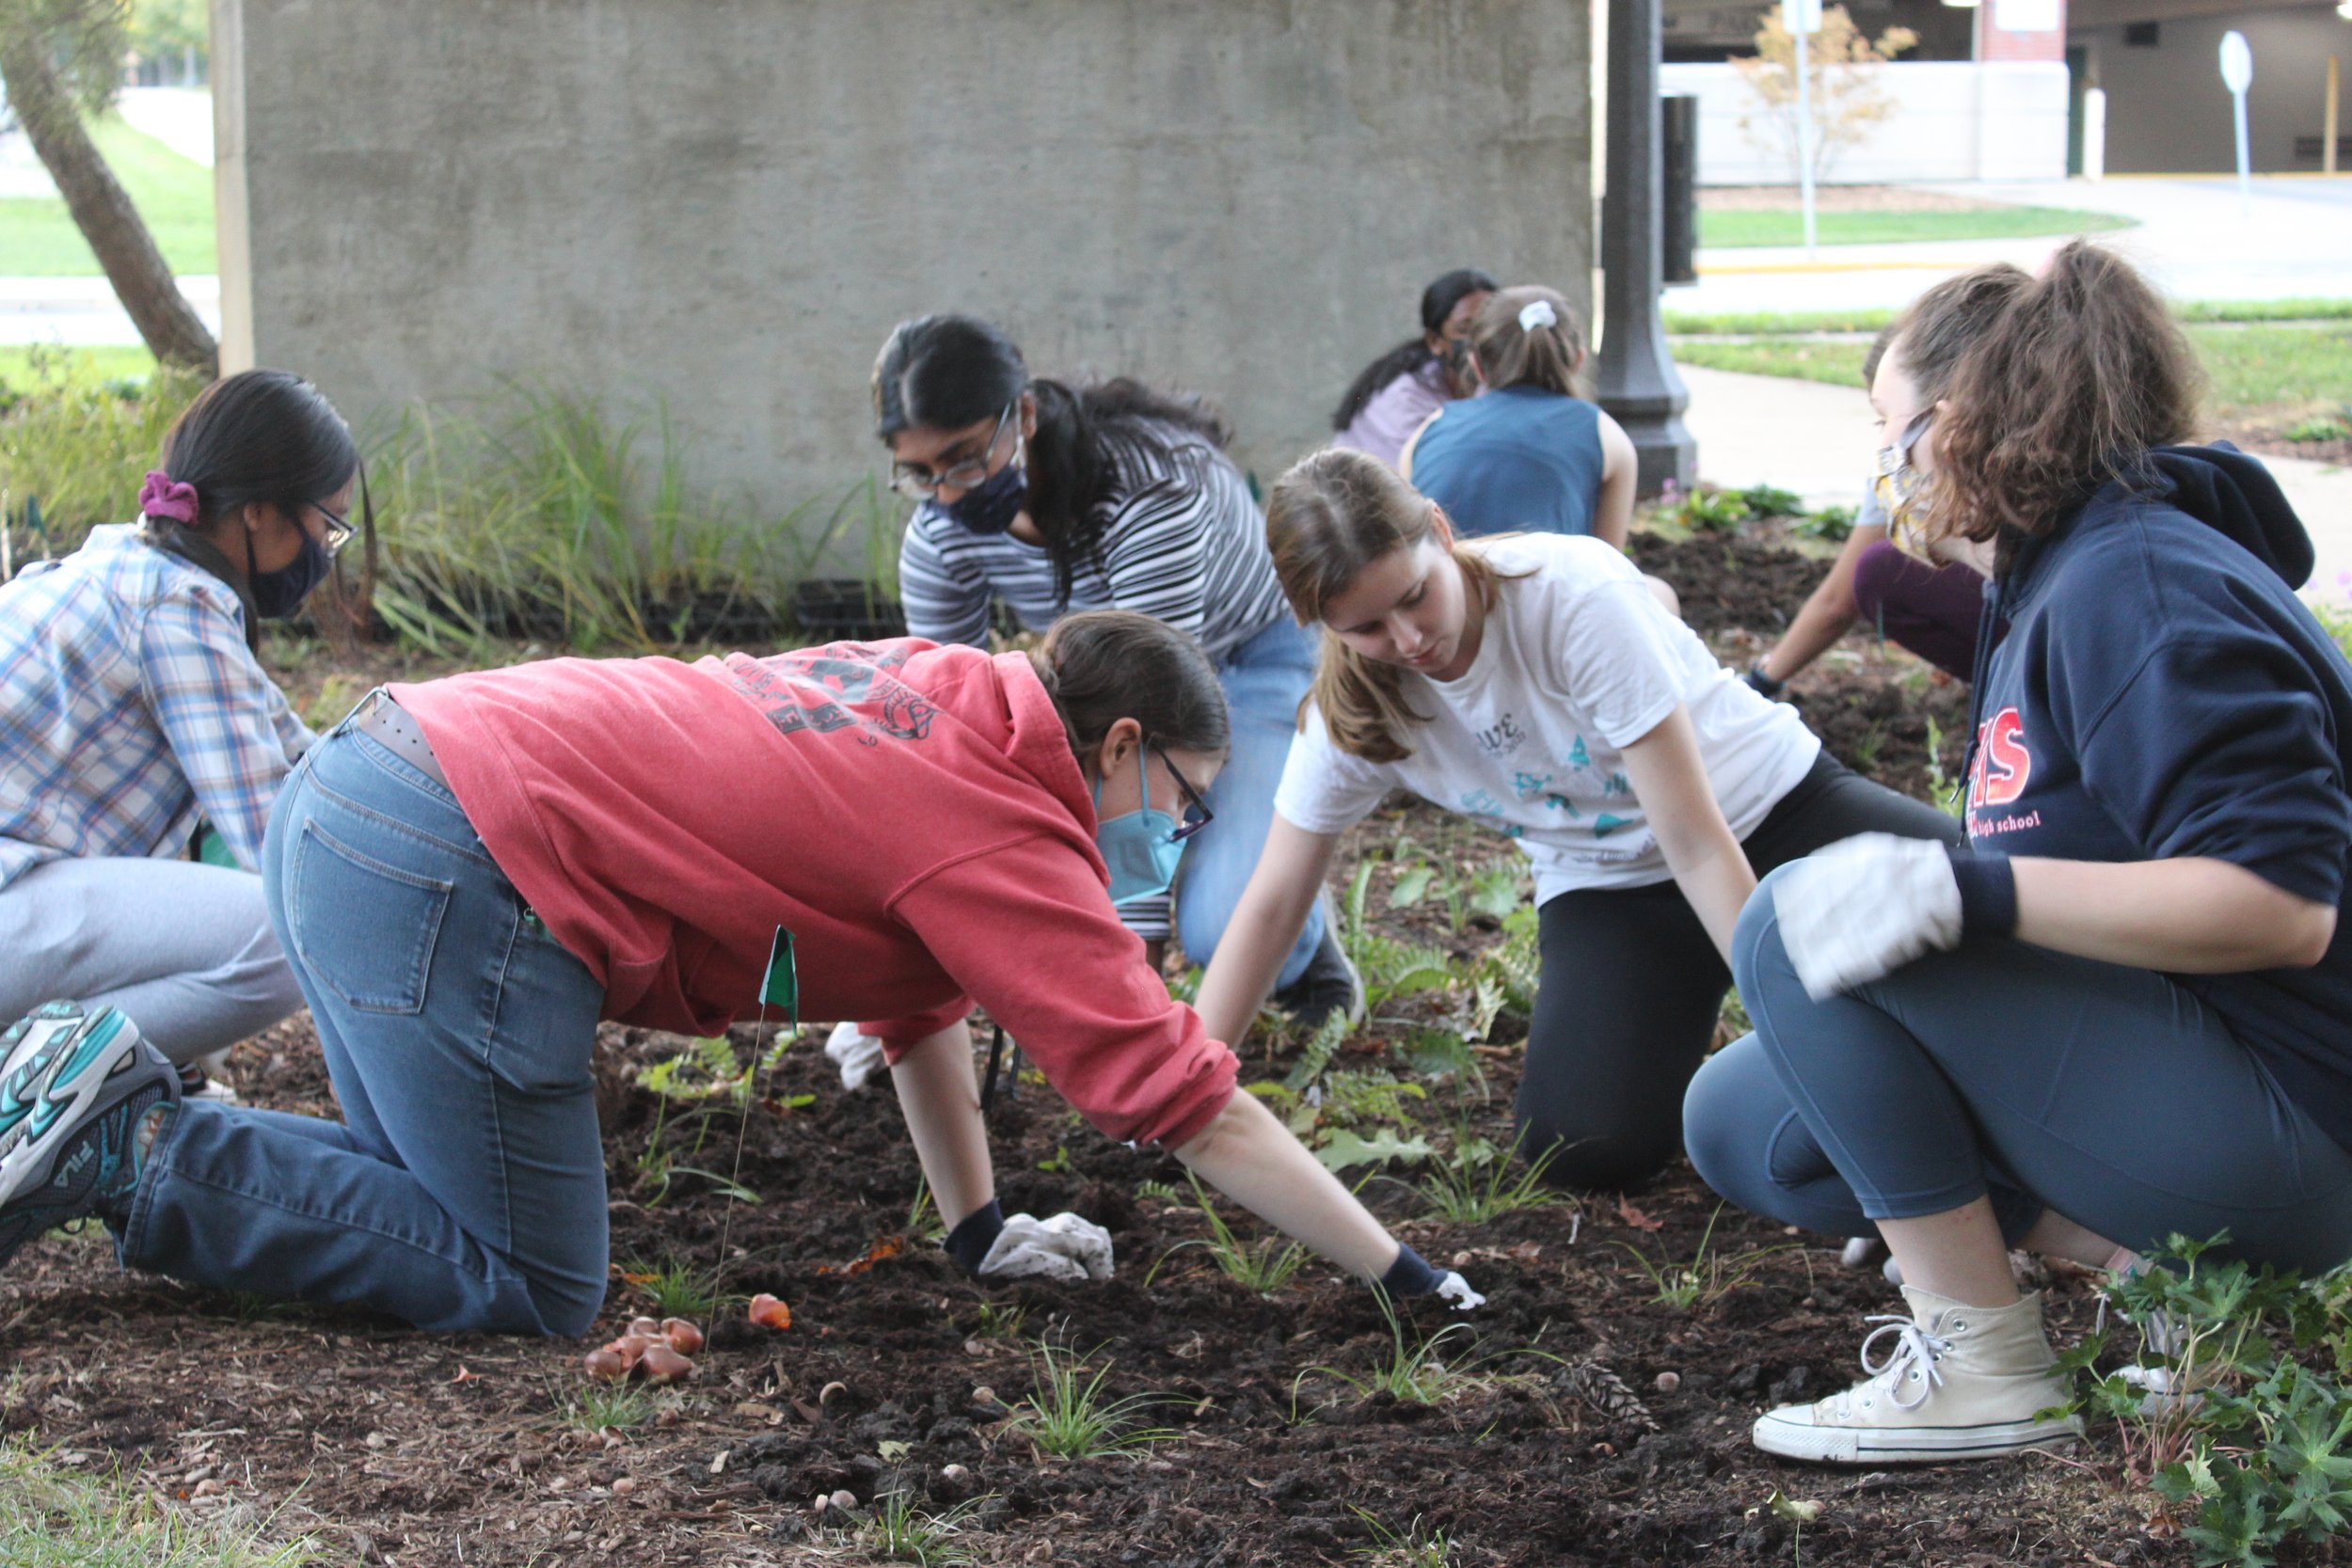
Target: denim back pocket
x,y
364,929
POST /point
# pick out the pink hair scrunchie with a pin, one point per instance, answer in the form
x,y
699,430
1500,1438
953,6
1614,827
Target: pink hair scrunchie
x,y
164,497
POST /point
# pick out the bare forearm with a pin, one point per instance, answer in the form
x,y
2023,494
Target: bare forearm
x,y
942,1104
1254,1160
1249,958
1826,616
1716,880
2191,916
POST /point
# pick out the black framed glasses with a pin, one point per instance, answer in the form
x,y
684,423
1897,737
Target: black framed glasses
x,y
915,481
339,531
1193,803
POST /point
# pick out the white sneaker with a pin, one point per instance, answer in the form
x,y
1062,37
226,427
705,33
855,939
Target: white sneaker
x,y
1958,1383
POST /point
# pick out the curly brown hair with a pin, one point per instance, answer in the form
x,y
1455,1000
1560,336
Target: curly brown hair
x,y
2064,391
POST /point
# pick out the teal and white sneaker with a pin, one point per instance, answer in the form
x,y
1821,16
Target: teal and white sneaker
x,y
74,1086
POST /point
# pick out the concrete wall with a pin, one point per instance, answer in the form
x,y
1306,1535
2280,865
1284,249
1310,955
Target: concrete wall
x,y
728,202
2169,113
1954,120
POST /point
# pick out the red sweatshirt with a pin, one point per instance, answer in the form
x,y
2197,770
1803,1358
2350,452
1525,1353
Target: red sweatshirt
x,y
909,812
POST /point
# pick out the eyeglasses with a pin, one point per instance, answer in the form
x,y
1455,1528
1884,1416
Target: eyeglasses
x,y
915,480
339,531
1193,803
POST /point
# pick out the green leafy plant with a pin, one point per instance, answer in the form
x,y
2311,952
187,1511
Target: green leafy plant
x,y
2322,427
901,1532
676,1289
1770,500
1707,1278
1159,1192
1834,524
1411,1548
1001,1320
1478,1182
1057,1162
2238,1414
1413,1369
596,1408
1069,1415
1263,1266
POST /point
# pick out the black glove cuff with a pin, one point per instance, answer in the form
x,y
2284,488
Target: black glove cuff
x,y
1988,891
969,1241
1764,684
1410,1274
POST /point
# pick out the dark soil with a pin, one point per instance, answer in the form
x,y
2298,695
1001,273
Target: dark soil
x,y
1591,1422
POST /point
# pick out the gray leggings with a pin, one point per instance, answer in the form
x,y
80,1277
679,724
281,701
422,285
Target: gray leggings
x,y
2108,1094
185,949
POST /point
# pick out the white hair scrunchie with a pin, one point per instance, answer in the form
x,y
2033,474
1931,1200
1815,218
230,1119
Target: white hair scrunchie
x,y
1536,314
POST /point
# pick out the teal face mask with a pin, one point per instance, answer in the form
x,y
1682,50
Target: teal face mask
x,y
1141,847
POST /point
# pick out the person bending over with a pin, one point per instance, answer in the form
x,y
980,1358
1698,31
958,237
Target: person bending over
x,y
1396,394
1527,453
1049,498
1535,684
2124,1012
1931,609
136,720
473,872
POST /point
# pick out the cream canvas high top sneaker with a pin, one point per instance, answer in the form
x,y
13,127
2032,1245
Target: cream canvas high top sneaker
x,y
1955,1382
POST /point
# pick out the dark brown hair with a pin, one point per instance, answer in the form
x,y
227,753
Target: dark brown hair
x,y
1512,356
1327,519
1941,324
2080,374
1101,666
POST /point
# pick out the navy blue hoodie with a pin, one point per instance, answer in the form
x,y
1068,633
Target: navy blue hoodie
x,y
2162,693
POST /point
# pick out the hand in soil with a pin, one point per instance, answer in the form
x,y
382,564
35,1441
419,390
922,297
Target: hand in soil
x,y
1063,1247
1457,1290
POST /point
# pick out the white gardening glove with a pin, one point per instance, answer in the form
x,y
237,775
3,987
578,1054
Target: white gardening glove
x,y
1865,907
858,1056
1457,1290
1063,1247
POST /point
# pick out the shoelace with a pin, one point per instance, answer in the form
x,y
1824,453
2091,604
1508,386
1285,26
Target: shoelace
x,y
1914,1345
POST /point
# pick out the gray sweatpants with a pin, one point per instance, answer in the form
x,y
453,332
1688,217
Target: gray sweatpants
x,y
183,949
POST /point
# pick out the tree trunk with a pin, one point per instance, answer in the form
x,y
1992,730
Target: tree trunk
x,y
115,233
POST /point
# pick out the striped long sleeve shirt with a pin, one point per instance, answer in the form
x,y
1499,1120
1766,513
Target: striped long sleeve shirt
x,y
1183,541
131,707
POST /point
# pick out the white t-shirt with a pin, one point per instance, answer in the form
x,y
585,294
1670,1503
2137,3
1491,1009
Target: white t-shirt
x,y
1576,662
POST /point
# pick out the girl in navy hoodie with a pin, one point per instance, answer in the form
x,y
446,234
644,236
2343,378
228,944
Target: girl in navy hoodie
x,y
2124,1010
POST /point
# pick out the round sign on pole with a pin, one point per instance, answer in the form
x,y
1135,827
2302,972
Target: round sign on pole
x,y
2237,61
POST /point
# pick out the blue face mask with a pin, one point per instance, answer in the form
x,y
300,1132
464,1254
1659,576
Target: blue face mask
x,y
1139,848
990,506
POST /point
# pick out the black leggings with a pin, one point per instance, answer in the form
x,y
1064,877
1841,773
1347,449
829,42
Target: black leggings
x,y
1632,988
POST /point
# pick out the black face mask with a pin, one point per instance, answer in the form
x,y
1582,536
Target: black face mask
x,y
991,506
278,594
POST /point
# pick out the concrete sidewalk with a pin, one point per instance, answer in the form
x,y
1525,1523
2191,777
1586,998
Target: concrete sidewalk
x,y
1822,440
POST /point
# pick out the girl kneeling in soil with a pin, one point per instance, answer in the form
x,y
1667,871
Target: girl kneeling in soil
x,y
1054,497
2139,1026
1534,684
471,872
134,714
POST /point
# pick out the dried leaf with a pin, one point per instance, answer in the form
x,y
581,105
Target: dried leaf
x,y
1637,1219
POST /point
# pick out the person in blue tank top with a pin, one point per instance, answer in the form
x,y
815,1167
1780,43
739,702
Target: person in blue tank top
x,y
1527,454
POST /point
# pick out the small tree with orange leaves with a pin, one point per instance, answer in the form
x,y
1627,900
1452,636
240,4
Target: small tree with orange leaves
x,y
1847,97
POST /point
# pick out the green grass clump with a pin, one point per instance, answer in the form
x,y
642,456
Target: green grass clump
x,y
676,1289
1726,231
601,1407
1071,1415
901,1532
173,193
53,1517
1263,1266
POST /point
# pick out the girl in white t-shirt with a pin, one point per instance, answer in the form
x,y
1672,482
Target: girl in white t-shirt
x,y
1535,684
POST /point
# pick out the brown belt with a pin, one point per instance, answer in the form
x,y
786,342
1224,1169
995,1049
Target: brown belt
x,y
389,724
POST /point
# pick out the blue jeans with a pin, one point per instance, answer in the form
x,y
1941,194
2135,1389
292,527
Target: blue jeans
x,y
1265,679
2002,1069
464,1190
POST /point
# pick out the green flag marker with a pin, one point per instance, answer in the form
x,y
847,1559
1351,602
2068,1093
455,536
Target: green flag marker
x,y
781,986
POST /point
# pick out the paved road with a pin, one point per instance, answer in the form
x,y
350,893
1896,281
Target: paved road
x,y
1818,440
2291,240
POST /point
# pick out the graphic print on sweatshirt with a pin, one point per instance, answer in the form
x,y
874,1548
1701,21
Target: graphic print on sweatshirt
x,y
833,688
1999,776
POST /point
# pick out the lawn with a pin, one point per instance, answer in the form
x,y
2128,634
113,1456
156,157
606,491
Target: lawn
x,y
2254,369
174,195
1734,229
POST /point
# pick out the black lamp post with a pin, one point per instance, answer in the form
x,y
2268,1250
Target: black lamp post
x,y
1636,380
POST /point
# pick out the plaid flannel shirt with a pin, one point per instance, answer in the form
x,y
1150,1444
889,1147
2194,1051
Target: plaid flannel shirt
x,y
130,708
